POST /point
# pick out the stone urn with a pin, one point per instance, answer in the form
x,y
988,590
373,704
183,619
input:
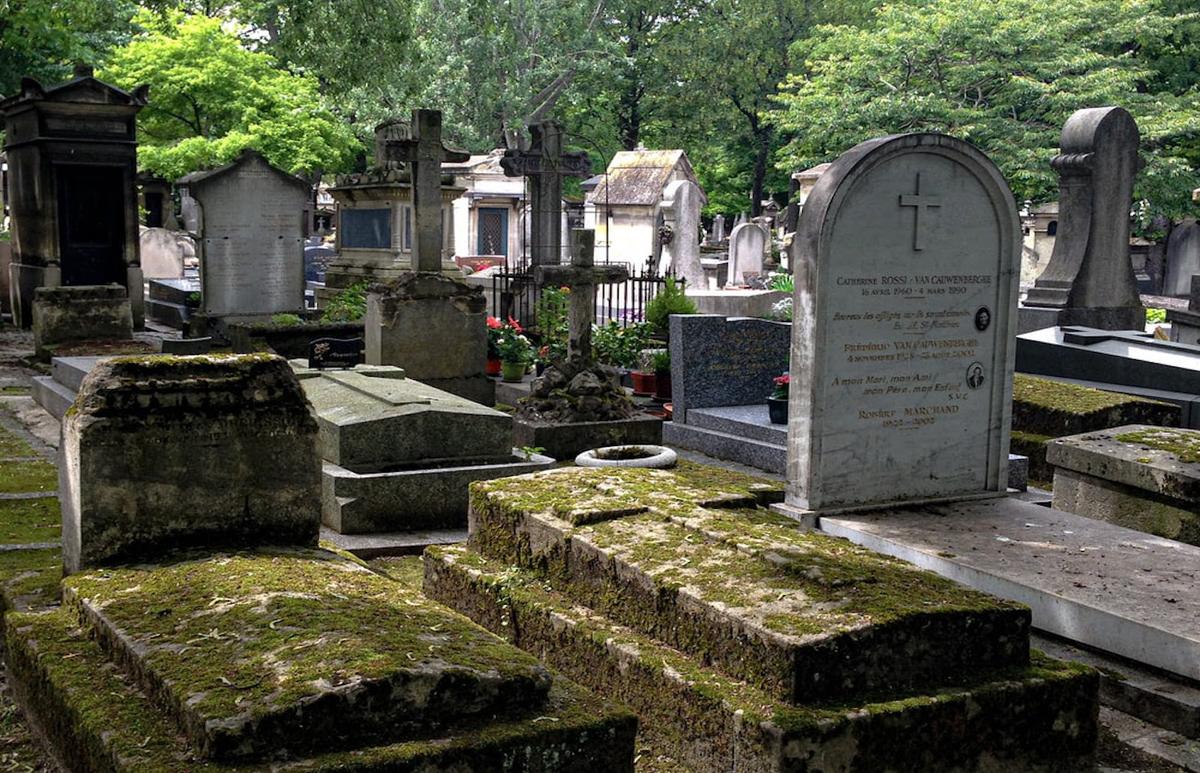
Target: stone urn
x,y
647,456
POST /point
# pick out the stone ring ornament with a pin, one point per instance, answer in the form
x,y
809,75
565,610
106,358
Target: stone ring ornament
x,y
646,456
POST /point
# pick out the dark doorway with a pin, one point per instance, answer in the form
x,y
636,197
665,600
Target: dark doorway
x,y
493,231
91,224
154,210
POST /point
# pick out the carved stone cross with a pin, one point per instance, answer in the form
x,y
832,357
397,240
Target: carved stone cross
x,y
582,277
546,164
919,203
422,150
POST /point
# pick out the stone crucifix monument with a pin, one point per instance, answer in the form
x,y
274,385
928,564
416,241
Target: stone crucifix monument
x,y
546,164
1089,280
430,324
902,349
580,404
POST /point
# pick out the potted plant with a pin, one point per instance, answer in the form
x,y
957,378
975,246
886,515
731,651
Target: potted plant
x,y
618,346
644,379
777,401
515,350
662,375
671,299
493,354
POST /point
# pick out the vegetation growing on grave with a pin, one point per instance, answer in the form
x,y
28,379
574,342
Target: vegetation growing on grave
x,y
619,345
262,629
671,299
350,305
28,476
1183,444
29,579
23,521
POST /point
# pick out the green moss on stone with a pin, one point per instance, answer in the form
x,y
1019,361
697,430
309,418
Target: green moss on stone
x,y
29,579
1069,398
27,477
254,631
1183,444
23,521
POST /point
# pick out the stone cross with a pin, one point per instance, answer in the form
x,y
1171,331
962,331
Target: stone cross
x,y
919,202
582,277
546,164
422,150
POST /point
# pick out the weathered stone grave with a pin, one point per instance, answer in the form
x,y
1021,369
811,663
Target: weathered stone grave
x,y
1139,476
746,245
1089,280
902,351
171,302
80,313
72,164
274,655
1185,323
1183,258
163,253
253,219
399,454
579,404
680,208
745,642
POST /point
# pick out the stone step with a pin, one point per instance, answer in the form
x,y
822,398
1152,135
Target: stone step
x,y
296,651
747,421
69,371
722,445
52,396
1035,718
792,612
1102,585
94,719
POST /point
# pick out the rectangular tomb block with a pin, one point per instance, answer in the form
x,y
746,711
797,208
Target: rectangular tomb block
x,y
906,262
165,452
1138,476
801,615
294,651
373,419
80,313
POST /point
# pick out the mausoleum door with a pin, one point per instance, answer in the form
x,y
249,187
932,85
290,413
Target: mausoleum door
x,y
493,231
91,224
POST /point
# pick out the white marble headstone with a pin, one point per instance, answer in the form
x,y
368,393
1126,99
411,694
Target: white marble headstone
x,y
161,254
681,212
902,348
746,246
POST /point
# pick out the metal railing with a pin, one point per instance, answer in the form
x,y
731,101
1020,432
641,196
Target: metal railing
x,y
516,294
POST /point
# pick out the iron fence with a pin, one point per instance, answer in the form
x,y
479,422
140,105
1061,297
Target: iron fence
x,y
516,294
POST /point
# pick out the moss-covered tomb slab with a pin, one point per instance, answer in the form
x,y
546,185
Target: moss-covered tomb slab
x,y
799,614
97,720
296,650
1037,718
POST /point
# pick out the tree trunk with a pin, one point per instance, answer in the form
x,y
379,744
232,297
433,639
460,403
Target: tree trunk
x,y
762,152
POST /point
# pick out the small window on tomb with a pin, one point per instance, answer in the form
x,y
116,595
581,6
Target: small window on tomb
x,y
1052,228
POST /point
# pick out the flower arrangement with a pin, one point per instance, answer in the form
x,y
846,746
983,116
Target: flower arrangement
x,y
509,342
617,345
782,383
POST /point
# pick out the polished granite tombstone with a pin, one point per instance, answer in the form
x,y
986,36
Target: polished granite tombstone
x,y
399,454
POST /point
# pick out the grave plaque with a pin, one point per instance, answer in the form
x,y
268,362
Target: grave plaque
x,y
335,353
902,352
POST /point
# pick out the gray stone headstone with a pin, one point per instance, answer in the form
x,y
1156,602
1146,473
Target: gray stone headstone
x,y
681,213
718,232
252,235
746,245
162,254
902,352
1183,258
718,361
1089,279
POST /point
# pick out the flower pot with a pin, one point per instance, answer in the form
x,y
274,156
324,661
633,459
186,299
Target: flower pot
x,y
513,371
778,408
493,366
662,386
643,382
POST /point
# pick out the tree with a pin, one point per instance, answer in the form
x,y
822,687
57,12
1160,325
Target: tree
x,y
1002,74
210,97
44,38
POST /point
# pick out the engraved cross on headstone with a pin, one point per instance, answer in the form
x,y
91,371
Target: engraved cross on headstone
x,y
582,277
919,202
422,150
546,164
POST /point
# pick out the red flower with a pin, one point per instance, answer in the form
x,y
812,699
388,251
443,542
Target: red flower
x,y
783,380
515,325
494,323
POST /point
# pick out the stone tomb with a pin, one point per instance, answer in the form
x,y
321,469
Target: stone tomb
x,y
746,246
681,204
253,219
399,454
171,302
1183,258
186,451
745,642
1185,323
1139,476
80,313
902,351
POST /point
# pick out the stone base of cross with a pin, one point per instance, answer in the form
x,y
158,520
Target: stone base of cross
x,y
582,278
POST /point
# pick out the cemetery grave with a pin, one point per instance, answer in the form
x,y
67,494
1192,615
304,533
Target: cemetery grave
x,y
262,651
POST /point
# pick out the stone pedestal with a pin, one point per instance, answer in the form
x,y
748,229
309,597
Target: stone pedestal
x,y
162,453
80,313
434,327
